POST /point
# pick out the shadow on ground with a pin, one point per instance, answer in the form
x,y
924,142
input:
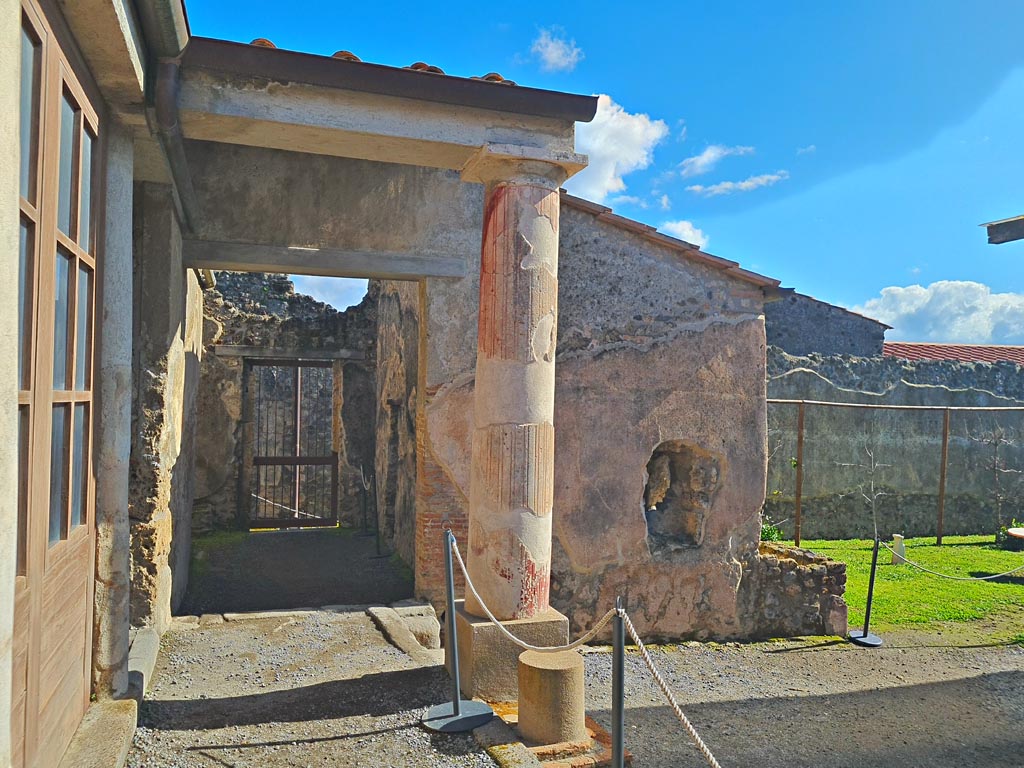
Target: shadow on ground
x,y
241,571
972,722
377,694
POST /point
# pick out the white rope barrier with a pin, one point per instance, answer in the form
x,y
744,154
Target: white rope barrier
x,y
694,736
282,506
648,661
522,643
949,576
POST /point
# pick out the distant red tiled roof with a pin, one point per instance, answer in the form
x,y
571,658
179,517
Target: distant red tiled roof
x,y
966,353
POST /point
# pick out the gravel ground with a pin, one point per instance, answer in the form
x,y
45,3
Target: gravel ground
x,y
327,689
919,701
320,689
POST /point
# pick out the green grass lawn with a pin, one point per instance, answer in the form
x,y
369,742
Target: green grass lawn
x,y
907,597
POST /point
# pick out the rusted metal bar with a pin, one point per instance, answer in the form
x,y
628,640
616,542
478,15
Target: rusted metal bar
x,y
779,401
799,473
942,475
292,461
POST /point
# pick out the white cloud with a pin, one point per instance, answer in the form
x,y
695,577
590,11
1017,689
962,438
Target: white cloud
x,y
747,185
809,149
681,130
618,143
628,200
339,292
955,311
665,202
685,230
709,158
555,52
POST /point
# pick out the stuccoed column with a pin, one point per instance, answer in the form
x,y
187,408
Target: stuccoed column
x,y
512,468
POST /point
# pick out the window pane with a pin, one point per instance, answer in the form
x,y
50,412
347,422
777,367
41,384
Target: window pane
x,y
25,289
79,465
60,321
65,192
85,200
84,342
58,472
29,105
23,432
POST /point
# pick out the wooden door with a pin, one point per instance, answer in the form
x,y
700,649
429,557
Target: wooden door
x,y
57,286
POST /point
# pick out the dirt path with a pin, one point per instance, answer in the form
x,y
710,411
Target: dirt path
x,y
291,569
321,689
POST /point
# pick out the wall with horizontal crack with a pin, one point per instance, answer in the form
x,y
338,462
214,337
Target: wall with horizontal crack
x,y
654,350
985,465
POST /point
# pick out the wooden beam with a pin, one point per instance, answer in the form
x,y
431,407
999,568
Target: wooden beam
x,y
285,353
327,262
1006,231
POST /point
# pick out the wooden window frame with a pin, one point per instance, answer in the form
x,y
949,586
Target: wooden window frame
x,y
57,77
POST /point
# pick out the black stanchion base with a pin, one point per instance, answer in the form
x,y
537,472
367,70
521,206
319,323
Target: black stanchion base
x,y
869,640
472,714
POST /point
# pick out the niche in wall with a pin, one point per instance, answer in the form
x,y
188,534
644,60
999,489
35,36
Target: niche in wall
x,y
682,480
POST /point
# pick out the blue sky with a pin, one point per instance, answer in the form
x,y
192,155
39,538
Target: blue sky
x,y
848,149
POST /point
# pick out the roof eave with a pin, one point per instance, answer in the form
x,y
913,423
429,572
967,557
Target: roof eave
x,y
277,65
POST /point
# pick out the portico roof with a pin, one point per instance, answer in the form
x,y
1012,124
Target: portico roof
x,y
425,84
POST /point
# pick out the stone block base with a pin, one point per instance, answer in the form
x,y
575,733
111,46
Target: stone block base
x,y
489,662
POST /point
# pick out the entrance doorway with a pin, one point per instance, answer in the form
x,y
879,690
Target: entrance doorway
x,y
294,478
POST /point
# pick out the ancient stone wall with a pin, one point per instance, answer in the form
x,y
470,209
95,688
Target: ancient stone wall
x,y
253,309
906,446
398,352
660,361
788,591
801,325
166,355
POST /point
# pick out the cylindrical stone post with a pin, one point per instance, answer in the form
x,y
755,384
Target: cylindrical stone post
x,y
551,700
512,477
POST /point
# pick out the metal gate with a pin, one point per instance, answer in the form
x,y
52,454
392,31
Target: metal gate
x,y
294,466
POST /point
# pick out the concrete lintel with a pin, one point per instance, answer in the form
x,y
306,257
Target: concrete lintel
x,y
345,123
111,41
327,262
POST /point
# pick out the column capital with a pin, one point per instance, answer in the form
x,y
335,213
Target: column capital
x,y
513,162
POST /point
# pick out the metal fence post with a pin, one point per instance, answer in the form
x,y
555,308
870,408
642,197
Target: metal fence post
x,y
618,687
459,714
866,638
942,475
799,474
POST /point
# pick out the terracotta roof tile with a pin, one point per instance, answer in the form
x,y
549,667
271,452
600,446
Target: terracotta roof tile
x,y
419,66
966,353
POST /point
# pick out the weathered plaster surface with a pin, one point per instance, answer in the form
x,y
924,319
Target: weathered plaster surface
x,y
10,64
168,345
113,427
398,347
267,196
652,348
